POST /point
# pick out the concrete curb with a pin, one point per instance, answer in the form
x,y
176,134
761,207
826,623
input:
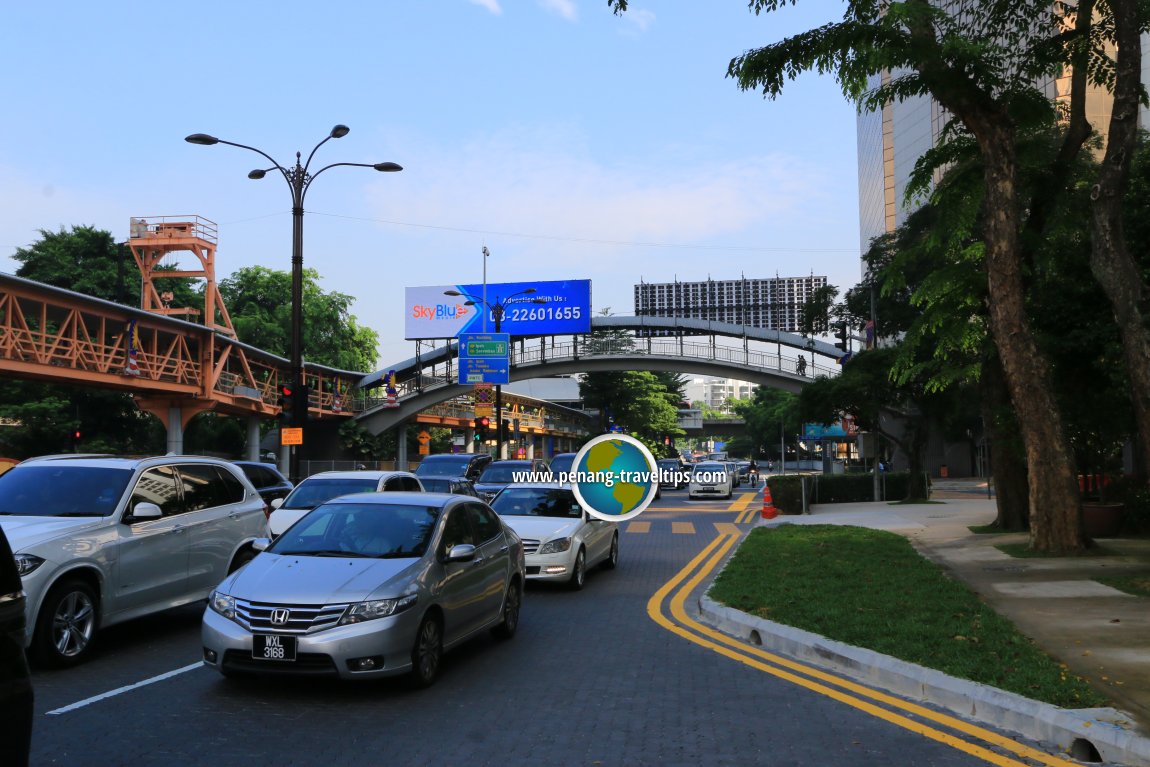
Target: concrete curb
x,y
1108,730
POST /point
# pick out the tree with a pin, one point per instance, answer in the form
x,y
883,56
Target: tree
x,y
769,416
981,68
259,302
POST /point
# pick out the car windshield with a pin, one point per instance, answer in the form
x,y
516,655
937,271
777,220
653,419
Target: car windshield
x,y
536,502
505,473
313,491
445,468
56,489
561,464
709,468
377,530
439,484
669,465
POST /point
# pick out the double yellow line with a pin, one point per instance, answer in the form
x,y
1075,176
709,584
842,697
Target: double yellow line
x,y
667,608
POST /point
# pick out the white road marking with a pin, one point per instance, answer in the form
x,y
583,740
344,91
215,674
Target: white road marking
x,y
120,690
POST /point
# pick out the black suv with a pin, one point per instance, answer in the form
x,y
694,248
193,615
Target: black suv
x,y
15,683
469,465
268,481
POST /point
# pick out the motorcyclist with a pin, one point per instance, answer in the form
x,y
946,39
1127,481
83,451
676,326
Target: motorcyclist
x,y
753,473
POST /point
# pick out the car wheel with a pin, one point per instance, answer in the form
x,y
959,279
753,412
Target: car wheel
x,y
243,556
612,560
578,571
511,604
66,625
427,654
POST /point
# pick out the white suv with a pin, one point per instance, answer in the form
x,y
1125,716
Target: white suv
x,y
322,487
100,539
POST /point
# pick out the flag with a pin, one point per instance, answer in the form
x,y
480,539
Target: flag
x,y
392,394
132,368
870,334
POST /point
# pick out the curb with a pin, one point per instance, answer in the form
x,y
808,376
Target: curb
x,y
1106,729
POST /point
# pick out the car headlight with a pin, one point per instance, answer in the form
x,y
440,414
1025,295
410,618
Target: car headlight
x,y
223,604
26,563
377,608
557,546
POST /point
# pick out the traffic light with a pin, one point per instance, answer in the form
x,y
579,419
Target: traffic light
x,y
481,425
843,342
299,408
287,402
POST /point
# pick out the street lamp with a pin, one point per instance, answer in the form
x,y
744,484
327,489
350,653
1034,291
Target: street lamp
x,y
497,308
298,179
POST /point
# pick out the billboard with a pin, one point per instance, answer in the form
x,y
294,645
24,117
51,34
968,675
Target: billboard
x,y
565,309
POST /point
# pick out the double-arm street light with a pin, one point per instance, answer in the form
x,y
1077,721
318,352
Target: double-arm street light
x,y
298,179
497,308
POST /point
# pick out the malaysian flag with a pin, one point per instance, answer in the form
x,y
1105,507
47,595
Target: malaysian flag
x,y
132,368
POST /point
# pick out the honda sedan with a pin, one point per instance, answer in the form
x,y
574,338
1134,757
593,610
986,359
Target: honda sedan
x,y
369,585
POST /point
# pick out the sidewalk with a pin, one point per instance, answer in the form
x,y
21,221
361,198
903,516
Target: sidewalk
x,y
1100,633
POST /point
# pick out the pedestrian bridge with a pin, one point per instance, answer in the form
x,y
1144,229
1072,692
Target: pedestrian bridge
x,y
793,363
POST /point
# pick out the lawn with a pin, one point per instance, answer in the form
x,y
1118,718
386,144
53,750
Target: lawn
x,y
871,589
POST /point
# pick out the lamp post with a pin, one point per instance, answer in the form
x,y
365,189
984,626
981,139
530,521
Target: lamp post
x,y
299,180
496,308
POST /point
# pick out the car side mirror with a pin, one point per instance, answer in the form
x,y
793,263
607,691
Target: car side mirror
x,y
261,544
461,552
144,511
277,502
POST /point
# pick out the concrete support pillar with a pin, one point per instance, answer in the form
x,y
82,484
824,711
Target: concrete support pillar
x,y
469,444
253,446
401,447
530,440
175,430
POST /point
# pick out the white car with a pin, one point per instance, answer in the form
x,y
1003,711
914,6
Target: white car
x,y
99,540
561,540
322,487
710,479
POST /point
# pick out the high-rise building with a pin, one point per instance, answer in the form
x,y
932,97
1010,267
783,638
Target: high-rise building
x,y
891,140
716,392
772,303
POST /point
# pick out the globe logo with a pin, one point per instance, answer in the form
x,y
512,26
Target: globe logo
x,y
615,477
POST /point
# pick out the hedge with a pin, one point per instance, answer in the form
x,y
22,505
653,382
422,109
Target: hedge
x,y
787,491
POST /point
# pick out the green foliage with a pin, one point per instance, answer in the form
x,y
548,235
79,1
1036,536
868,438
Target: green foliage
x,y
858,488
84,259
870,588
787,492
769,415
259,301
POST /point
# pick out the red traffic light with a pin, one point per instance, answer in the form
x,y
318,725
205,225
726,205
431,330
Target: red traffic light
x,y
484,422
76,434
285,390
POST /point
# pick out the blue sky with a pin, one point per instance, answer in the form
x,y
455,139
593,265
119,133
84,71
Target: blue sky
x,y
573,143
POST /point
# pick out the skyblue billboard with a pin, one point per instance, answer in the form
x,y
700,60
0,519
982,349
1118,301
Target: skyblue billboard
x,y
557,307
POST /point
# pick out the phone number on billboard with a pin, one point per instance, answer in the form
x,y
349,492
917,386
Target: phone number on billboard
x,y
542,313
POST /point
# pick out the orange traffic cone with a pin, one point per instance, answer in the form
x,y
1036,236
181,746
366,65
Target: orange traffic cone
x,y
769,510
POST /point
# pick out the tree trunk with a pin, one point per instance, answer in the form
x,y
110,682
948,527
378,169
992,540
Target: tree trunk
x,y
1110,260
915,443
1055,512
1007,456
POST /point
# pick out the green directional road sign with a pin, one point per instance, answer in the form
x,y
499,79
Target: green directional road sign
x,y
486,349
483,358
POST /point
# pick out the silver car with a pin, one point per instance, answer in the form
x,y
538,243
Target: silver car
x,y
369,585
99,540
562,541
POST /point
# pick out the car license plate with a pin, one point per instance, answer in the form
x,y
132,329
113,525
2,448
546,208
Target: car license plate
x,y
708,489
273,647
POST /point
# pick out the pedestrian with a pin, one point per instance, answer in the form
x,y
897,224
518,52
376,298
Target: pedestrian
x,y
801,366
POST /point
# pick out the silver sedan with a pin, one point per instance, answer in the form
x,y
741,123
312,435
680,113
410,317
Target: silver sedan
x,y
369,585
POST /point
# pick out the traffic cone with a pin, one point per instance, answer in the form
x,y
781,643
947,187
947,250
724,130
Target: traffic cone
x,y
769,510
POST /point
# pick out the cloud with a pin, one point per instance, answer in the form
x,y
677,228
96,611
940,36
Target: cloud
x,y
491,5
564,8
640,19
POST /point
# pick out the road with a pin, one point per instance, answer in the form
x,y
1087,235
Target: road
x,y
616,674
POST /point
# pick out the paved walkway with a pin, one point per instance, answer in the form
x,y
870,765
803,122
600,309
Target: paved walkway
x,y
1100,633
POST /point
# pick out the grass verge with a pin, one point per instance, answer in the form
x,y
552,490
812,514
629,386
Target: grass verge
x,y
1138,585
1023,551
871,589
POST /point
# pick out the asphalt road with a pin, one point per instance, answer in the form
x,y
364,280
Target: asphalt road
x,y
606,676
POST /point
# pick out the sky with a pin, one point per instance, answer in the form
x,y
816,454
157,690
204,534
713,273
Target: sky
x,y
570,142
